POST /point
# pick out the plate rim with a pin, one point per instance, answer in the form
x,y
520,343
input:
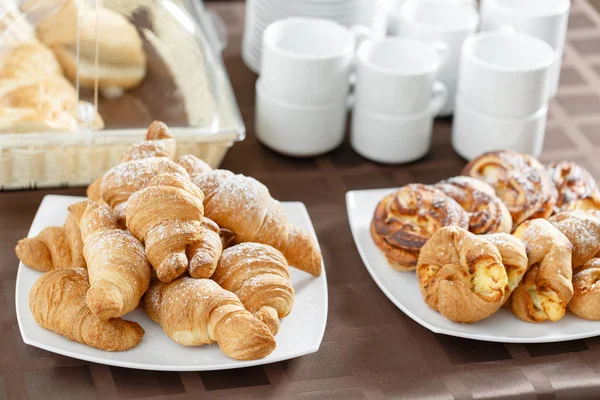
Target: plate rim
x,y
350,197
234,364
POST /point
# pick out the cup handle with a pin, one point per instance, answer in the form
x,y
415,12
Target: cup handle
x,y
442,49
439,98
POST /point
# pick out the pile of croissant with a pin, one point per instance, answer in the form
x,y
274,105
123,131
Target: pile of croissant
x,y
204,252
509,232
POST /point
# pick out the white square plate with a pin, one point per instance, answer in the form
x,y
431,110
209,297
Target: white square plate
x,y
300,333
402,289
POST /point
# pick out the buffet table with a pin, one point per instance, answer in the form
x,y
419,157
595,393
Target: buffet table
x,y
371,350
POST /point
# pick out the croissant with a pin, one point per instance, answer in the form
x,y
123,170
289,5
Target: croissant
x,y
514,258
159,143
519,180
194,312
583,231
168,217
57,303
487,213
93,190
403,222
258,275
546,288
118,269
193,165
54,247
124,179
461,275
245,206
586,298
575,188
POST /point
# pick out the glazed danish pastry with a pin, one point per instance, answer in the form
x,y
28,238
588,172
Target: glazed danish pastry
x,y
405,220
575,188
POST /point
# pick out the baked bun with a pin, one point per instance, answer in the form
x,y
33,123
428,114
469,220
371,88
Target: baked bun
x,y
461,275
514,259
586,299
519,180
405,220
546,288
575,188
487,213
583,231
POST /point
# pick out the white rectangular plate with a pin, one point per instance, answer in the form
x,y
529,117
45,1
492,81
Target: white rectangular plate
x,y
300,333
402,288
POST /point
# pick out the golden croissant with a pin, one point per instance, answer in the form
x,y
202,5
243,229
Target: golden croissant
x,y
258,274
194,312
583,231
167,216
159,143
586,298
57,303
461,275
54,247
118,269
193,165
546,288
245,206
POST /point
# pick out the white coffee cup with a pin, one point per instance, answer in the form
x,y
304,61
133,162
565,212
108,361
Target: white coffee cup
x,y
298,130
308,60
394,15
544,19
474,133
396,76
392,139
449,22
505,74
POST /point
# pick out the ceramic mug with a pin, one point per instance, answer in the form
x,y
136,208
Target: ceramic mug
x,y
505,74
298,130
544,19
392,139
396,76
474,133
309,60
449,22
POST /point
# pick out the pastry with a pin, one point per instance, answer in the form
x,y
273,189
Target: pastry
x,y
519,180
193,165
487,213
93,190
583,231
124,179
54,247
546,288
119,273
159,143
29,61
121,57
575,188
57,303
405,220
167,216
461,275
586,298
194,312
258,275
245,206
514,258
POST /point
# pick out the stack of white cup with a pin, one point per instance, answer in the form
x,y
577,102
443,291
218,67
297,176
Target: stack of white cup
x,y
544,19
302,96
396,98
503,93
449,22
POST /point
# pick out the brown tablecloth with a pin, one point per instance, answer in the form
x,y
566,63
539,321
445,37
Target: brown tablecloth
x,y
371,350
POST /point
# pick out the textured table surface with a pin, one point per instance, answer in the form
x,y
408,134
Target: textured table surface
x,y
371,350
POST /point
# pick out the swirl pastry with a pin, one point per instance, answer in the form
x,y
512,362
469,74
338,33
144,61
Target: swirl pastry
x,y
519,180
546,289
586,299
575,188
405,220
583,231
487,213
461,275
